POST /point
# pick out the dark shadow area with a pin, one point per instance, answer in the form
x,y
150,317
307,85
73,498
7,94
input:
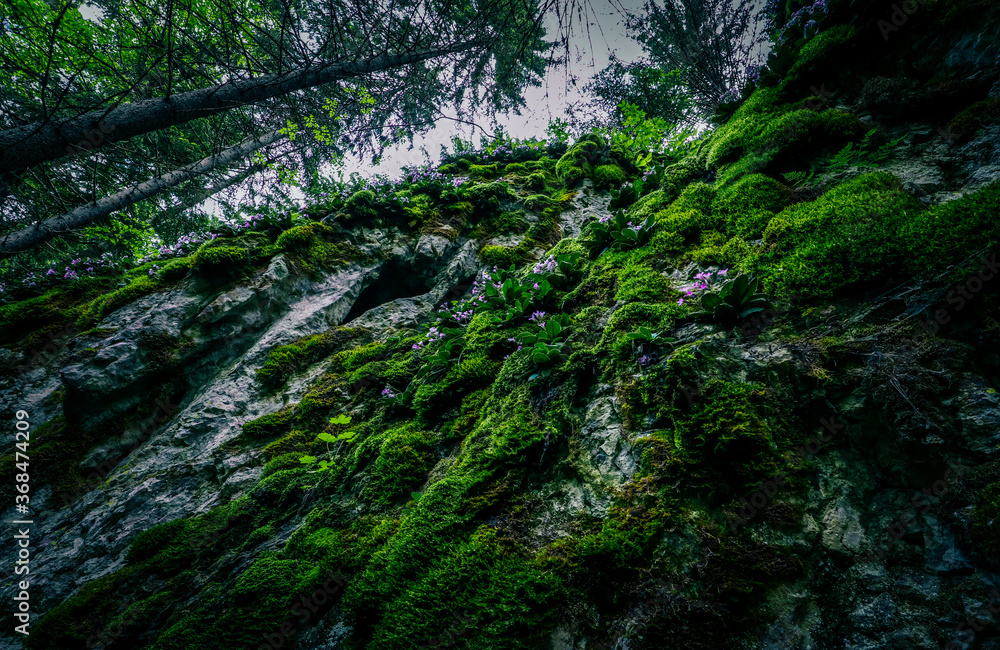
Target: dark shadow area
x,y
397,280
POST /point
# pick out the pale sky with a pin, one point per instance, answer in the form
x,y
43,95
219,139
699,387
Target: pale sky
x,y
589,54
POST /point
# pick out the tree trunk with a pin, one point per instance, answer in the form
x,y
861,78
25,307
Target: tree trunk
x,y
32,144
44,230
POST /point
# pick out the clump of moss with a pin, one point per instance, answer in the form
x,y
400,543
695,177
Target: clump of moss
x,y
849,236
221,261
641,283
970,120
748,205
505,223
307,246
286,360
101,307
483,193
504,256
609,176
176,269
362,204
579,160
270,425
489,172
404,457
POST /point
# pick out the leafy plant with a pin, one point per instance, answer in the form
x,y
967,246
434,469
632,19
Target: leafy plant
x,y
865,155
546,357
737,298
561,272
328,438
546,345
618,232
513,298
646,341
800,179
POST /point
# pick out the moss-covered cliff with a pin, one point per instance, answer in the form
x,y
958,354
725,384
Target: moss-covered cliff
x,y
504,407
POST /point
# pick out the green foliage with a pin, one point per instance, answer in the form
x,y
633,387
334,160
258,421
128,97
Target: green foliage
x,y
737,298
619,232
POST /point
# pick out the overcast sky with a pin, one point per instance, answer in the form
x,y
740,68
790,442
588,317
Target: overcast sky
x,y
589,53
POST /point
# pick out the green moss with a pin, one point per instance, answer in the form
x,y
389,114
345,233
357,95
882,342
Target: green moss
x,y
308,249
503,256
537,182
404,458
515,168
748,205
641,283
286,360
849,236
945,233
970,120
506,223
490,171
658,317
34,319
270,425
295,441
449,169
362,204
221,260
108,303
537,202
489,193
176,269
609,176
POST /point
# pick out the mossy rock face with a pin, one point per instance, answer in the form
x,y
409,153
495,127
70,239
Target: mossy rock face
x,y
286,360
270,425
970,120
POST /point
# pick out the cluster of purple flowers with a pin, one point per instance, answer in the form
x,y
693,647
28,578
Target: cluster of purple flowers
x,y
704,281
387,392
432,335
86,266
537,318
189,241
806,19
753,72
548,265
